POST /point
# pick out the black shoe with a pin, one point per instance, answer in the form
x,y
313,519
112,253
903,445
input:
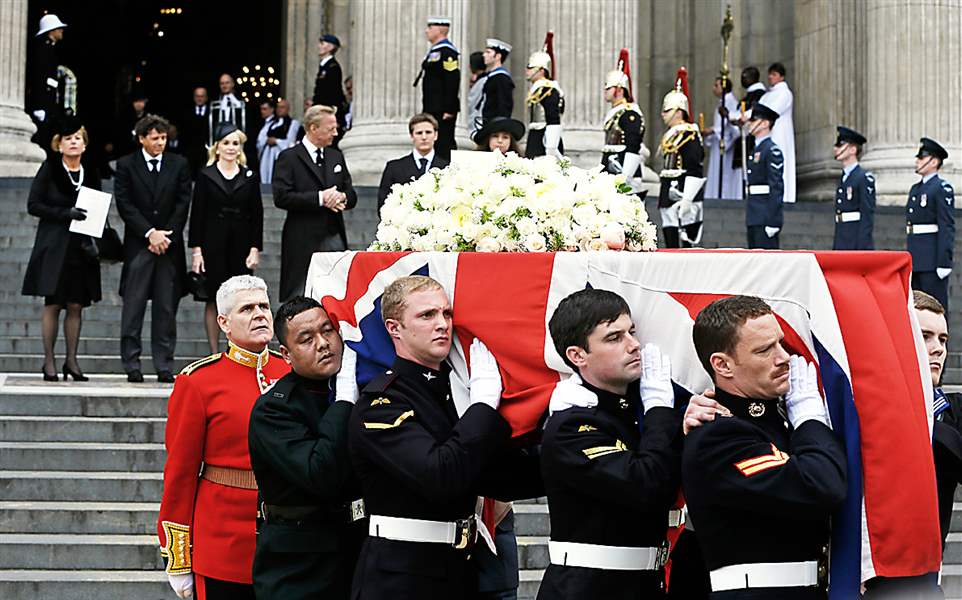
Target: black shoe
x,y
77,375
165,377
48,376
135,376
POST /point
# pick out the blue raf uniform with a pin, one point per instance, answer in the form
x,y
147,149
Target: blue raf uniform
x,y
854,200
765,187
930,228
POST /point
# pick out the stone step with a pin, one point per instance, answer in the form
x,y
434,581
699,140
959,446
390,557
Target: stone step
x,y
73,402
78,517
952,581
92,345
531,519
529,580
96,363
79,551
953,549
76,486
85,584
82,456
82,429
532,552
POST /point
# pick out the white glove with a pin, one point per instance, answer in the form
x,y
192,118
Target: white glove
x,y
943,272
485,384
345,387
674,194
571,394
613,165
629,168
552,139
771,231
41,115
183,585
656,388
803,402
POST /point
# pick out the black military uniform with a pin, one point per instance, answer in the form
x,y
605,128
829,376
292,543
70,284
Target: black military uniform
x,y
760,492
441,72
497,99
310,519
609,484
854,201
624,131
329,88
752,95
545,104
421,469
766,188
684,152
930,228
44,83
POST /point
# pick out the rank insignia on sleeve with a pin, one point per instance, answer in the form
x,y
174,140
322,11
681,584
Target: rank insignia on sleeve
x,y
751,466
392,425
599,451
587,428
450,64
434,56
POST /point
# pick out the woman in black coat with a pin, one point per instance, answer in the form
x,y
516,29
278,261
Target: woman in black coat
x,y
63,266
226,220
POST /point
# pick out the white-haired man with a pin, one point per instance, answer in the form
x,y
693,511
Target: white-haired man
x,y
209,508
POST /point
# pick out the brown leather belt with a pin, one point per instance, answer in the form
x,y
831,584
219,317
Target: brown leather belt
x,y
237,478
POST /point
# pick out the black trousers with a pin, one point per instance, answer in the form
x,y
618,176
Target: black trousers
x,y
929,282
208,588
757,238
689,578
445,143
154,278
673,237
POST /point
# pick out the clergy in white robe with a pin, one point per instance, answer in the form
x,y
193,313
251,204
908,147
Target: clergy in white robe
x,y
278,133
730,179
780,99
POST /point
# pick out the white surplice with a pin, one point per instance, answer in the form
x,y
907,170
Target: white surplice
x,y
732,183
781,100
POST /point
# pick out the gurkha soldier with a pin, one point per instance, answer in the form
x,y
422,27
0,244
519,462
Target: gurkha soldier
x,y
624,126
545,104
683,152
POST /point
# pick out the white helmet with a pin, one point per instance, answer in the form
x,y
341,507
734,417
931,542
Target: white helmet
x,y
49,23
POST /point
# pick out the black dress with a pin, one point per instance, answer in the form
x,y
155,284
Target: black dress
x,y
226,221
60,268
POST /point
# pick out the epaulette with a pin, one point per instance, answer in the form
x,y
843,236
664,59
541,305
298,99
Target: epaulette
x,y
380,383
203,362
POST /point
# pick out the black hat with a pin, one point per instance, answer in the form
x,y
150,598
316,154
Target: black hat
x,y
930,147
68,125
223,130
497,124
848,136
331,39
760,111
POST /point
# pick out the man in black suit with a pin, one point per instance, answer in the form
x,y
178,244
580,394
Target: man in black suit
x,y
424,133
312,183
152,189
194,133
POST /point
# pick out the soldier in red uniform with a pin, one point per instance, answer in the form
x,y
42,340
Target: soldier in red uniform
x,y
208,512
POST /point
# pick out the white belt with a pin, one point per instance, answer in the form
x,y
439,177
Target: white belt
x,y
536,125
848,217
456,533
613,558
765,575
676,517
757,189
919,229
613,148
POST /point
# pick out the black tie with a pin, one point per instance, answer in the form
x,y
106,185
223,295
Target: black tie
x,y
319,159
424,165
154,168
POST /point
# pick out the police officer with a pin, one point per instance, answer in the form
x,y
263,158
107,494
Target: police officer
x,y
610,485
497,97
545,104
44,82
207,514
761,487
310,524
683,151
763,211
624,126
855,195
930,223
441,71
422,467
329,81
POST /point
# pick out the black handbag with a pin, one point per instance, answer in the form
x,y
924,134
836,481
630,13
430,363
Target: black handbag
x,y
109,247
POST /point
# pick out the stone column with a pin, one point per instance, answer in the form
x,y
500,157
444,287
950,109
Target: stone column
x,y
384,69
913,82
303,20
19,157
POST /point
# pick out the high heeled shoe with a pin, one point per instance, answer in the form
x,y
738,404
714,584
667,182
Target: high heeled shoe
x,y
48,376
77,376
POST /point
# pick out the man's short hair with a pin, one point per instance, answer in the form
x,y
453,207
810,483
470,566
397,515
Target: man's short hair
x,y
288,311
316,113
227,292
777,67
422,118
717,326
923,301
269,102
393,301
578,315
476,62
151,122
752,74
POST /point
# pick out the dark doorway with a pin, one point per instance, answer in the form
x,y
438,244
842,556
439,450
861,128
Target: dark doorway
x,y
163,47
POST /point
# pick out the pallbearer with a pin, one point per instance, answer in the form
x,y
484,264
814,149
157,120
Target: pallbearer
x,y
545,104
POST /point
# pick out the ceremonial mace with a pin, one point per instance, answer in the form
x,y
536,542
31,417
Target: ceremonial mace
x,y
728,24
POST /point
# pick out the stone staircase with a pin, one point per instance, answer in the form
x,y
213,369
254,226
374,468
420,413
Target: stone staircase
x,y
80,463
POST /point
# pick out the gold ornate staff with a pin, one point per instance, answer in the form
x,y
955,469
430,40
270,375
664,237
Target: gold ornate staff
x,y
728,24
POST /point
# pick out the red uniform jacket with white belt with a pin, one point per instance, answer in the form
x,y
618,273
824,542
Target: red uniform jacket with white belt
x,y
205,527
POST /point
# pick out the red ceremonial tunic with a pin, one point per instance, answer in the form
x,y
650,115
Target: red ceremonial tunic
x,y
205,527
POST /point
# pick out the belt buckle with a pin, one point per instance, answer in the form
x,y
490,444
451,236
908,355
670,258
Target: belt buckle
x,y
357,510
661,557
465,533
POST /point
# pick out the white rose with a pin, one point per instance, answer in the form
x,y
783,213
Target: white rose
x,y
488,244
526,226
613,235
534,243
594,245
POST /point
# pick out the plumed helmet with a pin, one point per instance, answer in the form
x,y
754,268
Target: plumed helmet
x,y
620,77
544,58
677,98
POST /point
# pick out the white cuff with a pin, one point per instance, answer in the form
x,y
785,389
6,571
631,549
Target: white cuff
x,y
150,231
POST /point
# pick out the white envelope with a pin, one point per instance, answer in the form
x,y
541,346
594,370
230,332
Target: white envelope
x,y
97,205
